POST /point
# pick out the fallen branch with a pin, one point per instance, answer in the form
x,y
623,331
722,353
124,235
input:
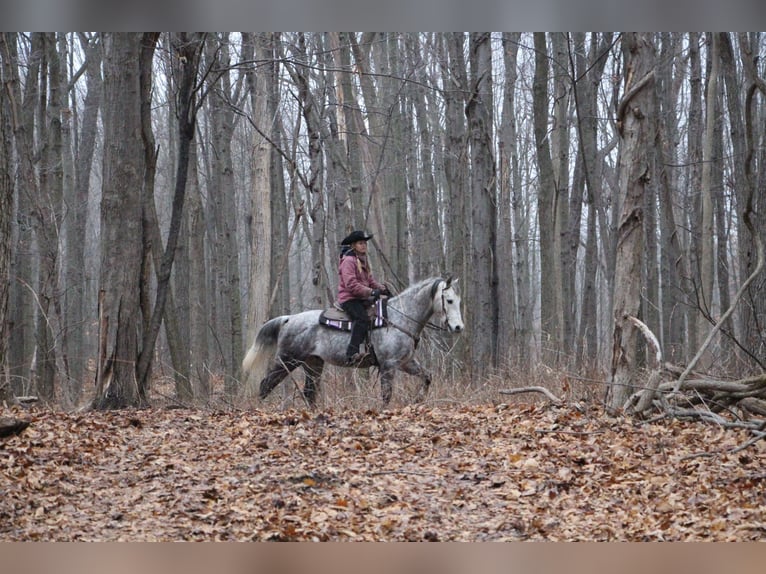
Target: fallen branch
x,y
553,398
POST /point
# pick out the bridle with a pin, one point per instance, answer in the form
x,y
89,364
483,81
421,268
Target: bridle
x,y
425,323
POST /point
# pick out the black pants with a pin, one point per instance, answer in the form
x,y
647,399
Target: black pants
x,y
357,310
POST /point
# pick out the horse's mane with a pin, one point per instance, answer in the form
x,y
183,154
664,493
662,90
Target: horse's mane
x,y
415,287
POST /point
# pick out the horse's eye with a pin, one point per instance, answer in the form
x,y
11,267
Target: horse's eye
x,y
450,301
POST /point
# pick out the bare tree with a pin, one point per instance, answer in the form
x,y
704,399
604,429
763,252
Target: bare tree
x,y
634,115
261,281
224,91
706,227
6,211
75,272
509,182
483,288
189,48
22,115
117,385
546,207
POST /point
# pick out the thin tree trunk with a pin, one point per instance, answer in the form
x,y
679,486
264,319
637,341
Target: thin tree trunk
x,y
508,326
6,213
483,248
563,235
707,230
189,50
198,285
546,210
694,160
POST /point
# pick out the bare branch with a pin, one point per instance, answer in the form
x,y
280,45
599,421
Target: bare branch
x,y
553,398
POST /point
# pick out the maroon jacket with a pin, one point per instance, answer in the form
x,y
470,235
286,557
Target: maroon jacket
x,y
355,279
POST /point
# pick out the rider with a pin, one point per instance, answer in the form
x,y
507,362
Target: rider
x,y
356,287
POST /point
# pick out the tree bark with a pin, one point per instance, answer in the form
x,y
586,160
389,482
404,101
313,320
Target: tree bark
x,y
121,229
634,118
189,49
483,287
546,208
22,311
260,280
75,271
6,212
508,340
706,227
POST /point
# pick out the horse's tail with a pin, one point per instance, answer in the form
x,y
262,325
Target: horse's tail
x,y
264,346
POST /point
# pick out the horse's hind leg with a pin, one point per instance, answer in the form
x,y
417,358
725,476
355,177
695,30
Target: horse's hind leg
x,y
313,369
275,376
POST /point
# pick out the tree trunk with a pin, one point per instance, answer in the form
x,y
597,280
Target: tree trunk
x,y
75,271
674,273
751,197
483,247
566,239
261,280
456,152
693,203
706,227
121,229
226,255
199,317
589,69
22,312
6,212
546,209
508,325
47,212
634,117
188,48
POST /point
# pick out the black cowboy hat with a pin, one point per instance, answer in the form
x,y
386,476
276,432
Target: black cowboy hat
x,y
355,236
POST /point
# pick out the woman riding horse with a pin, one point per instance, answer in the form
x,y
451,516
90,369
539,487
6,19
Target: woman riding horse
x,y
356,287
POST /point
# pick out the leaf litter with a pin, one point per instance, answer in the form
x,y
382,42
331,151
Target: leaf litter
x,y
419,473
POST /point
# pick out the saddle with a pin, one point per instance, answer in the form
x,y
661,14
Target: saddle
x,y
336,318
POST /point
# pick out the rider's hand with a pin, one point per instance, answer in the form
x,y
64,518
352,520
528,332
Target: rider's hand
x,y
375,294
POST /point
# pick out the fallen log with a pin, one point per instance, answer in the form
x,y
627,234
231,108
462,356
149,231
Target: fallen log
x,y
10,426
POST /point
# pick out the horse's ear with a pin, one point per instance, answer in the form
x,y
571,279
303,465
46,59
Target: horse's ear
x,y
450,280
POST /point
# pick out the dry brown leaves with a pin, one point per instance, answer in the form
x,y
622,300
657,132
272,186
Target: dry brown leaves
x,y
486,473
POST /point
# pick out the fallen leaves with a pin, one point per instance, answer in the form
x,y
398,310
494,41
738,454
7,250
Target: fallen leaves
x,y
420,473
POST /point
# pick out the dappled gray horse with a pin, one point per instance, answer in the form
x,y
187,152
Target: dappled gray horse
x,y
299,340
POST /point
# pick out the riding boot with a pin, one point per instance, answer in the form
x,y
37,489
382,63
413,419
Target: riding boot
x,y
358,335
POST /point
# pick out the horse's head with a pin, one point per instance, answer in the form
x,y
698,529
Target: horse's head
x,y
446,305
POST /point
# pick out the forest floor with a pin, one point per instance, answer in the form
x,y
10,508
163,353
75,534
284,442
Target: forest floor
x,y
492,472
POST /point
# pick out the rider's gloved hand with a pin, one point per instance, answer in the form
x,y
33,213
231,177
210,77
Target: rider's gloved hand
x,y
375,294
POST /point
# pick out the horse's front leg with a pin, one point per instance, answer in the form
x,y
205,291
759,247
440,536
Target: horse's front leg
x,y
413,368
386,384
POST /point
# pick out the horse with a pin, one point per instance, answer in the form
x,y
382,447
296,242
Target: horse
x,y
289,341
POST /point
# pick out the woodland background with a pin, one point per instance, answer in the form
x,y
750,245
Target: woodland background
x,y
162,194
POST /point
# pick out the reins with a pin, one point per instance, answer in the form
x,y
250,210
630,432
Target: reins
x,y
421,324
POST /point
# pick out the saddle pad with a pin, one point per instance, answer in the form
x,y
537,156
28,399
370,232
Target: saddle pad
x,y
336,318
